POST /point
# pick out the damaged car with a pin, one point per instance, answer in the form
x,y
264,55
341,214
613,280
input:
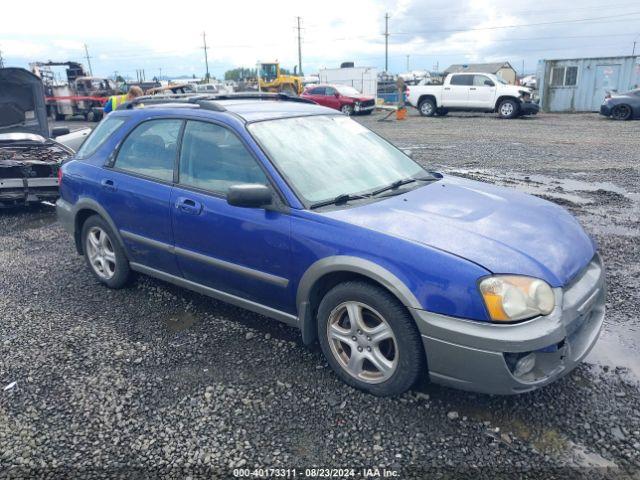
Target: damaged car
x,y
29,156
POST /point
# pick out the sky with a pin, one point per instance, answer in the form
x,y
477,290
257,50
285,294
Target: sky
x,y
167,38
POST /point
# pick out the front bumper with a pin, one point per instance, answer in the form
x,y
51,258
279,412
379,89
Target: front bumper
x,y
24,191
470,355
363,108
529,108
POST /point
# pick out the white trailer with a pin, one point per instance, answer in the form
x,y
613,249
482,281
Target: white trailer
x,y
363,79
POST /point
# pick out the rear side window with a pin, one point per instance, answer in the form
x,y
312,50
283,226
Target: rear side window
x,y
151,149
317,91
213,158
462,80
99,135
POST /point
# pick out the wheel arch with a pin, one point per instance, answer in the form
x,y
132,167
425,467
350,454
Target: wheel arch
x,y
502,99
329,272
85,208
426,96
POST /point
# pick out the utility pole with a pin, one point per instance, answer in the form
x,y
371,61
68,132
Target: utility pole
x,y
386,42
86,52
206,58
299,48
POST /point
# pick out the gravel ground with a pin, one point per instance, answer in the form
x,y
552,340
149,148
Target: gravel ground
x,y
155,381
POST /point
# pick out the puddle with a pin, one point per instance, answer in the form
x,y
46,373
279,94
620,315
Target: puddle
x,y
179,321
618,348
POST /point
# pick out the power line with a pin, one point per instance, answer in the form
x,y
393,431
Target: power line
x,y
86,53
206,58
299,48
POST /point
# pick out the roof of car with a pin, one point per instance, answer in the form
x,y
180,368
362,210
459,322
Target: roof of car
x,y
251,108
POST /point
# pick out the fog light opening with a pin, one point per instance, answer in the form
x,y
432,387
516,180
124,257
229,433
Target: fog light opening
x,y
525,365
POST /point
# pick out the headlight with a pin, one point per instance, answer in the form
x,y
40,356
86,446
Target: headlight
x,y
513,297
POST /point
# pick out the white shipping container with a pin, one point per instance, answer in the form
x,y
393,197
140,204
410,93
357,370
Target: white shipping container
x,y
363,79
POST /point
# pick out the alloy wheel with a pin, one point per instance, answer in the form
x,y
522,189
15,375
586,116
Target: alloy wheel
x,y
100,252
506,109
362,342
426,108
346,109
621,112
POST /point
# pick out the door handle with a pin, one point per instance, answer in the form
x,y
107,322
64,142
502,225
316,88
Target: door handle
x,y
189,206
108,184
472,88
447,88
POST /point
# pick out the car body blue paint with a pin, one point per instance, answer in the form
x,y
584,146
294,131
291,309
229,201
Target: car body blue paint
x,y
438,239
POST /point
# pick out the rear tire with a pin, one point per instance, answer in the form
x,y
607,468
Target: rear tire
x,y
621,112
508,109
427,107
387,357
103,253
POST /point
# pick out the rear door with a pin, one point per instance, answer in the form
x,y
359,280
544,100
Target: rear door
x,y
241,251
482,92
456,94
136,192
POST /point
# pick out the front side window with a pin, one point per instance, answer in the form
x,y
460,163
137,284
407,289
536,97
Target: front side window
x,y
478,81
330,91
337,157
151,149
213,158
99,135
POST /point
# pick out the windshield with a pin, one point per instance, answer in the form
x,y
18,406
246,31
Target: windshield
x,y
348,91
337,157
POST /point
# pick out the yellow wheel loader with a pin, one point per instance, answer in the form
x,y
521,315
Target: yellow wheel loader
x,y
271,80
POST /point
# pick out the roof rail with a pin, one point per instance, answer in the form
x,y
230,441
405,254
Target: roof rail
x,y
208,101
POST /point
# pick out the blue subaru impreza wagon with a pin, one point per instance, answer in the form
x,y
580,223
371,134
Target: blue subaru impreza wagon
x,y
301,214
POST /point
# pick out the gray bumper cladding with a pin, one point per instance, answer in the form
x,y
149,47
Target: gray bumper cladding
x,y
482,356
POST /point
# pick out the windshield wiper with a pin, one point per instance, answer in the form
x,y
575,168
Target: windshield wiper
x,y
339,200
399,183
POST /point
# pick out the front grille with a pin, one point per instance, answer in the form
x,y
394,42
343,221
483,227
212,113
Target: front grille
x,y
368,103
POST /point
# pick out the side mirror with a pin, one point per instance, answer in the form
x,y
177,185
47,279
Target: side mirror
x,y
58,131
249,195
337,95
489,83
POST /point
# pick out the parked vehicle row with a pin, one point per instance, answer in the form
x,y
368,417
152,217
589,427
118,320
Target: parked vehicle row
x,y
320,223
481,92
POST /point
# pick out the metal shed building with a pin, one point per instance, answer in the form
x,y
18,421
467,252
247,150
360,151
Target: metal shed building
x,y
580,84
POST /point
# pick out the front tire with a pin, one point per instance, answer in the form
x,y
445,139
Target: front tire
x,y
104,255
427,107
347,109
508,109
621,112
369,339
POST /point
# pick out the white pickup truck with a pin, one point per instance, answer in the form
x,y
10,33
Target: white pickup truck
x,y
481,92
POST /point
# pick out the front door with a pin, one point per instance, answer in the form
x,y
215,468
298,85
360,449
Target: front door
x,y
607,80
330,99
456,93
482,93
241,251
136,192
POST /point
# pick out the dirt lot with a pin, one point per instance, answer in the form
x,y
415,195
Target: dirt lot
x,y
157,381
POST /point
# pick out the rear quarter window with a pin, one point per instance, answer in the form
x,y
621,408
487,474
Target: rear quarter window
x,y
99,135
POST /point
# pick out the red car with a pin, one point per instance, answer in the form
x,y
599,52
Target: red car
x,y
341,97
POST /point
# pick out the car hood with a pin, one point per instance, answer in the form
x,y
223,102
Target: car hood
x,y
22,104
503,230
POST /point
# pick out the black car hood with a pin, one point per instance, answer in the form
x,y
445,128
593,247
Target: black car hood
x,y
22,103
